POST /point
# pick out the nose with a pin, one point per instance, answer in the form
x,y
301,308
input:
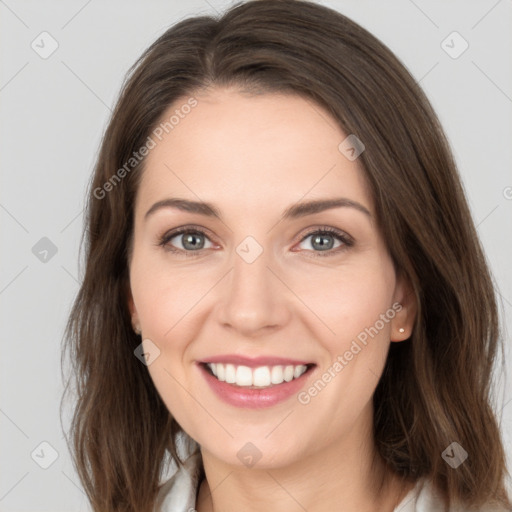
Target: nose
x,y
253,298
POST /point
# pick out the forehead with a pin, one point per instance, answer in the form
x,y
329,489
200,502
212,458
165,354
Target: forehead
x,y
250,151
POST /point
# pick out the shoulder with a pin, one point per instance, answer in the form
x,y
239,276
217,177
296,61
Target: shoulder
x,y
178,493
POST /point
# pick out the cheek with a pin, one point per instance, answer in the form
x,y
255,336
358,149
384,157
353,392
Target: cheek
x,y
358,309
165,302
350,298
356,306
165,297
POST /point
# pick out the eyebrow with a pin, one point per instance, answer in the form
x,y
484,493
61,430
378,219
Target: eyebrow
x,y
293,212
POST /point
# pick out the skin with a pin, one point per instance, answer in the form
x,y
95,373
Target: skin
x,y
254,156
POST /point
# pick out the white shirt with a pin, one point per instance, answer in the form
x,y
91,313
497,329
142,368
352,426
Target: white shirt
x,y
178,494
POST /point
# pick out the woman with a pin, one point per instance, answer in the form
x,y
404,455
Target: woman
x,y
282,272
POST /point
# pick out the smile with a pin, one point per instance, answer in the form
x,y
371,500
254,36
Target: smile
x,y
258,386
260,377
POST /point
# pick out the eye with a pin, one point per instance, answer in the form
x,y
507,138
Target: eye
x,y
189,240
323,241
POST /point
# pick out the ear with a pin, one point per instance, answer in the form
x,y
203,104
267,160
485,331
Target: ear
x,y
405,305
133,311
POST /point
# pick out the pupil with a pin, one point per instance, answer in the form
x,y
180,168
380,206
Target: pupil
x,y
189,239
322,238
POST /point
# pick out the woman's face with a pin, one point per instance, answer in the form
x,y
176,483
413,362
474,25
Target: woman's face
x,y
261,287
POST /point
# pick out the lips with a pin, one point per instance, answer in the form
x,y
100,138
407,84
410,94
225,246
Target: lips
x,y
255,382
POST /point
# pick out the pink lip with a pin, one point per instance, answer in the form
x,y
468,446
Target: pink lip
x,y
254,362
254,398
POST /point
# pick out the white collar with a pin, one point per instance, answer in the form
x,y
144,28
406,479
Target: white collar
x,y
178,494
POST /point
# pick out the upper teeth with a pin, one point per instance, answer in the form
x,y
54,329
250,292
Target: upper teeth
x,y
260,376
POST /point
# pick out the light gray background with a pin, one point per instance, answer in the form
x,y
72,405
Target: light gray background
x,y
54,111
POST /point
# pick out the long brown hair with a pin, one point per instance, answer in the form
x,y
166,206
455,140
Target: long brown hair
x,y
435,388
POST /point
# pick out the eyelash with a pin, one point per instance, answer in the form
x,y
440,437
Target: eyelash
x,y
340,235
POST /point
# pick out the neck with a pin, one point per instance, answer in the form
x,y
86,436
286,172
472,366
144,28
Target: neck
x,y
347,476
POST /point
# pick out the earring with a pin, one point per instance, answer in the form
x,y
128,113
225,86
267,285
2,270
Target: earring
x,y
137,331
401,330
